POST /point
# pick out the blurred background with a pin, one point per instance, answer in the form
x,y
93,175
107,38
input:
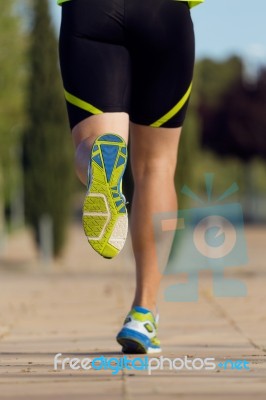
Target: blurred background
x,y
224,134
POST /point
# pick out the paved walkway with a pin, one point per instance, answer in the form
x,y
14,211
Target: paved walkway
x,y
76,307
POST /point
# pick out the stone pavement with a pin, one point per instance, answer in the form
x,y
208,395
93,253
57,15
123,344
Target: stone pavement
x,y
76,306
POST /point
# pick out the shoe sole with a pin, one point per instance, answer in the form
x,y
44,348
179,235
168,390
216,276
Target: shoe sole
x,y
105,220
132,346
133,342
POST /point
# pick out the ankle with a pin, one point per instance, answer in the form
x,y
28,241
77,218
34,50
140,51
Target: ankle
x,y
151,306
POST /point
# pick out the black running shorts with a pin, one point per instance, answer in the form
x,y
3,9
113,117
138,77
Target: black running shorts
x,y
133,56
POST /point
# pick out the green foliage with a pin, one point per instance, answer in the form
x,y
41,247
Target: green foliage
x,y
234,123
227,114
12,96
211,81
213,78
47,145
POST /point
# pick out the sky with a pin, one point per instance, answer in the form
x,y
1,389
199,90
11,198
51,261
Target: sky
x,y
224,28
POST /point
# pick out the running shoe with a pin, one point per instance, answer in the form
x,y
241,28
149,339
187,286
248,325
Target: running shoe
x,y
105,220
139,332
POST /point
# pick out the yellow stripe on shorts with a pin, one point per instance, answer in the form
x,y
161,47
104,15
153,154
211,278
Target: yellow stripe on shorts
x,y
81,104
174,110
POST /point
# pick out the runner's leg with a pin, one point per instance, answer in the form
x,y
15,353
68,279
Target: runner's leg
x,y
153,160
95,67
86,132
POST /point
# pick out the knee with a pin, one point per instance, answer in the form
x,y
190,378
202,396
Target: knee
x,y
159,169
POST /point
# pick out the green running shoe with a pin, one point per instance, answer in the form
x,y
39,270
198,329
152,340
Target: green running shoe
x,y
139,332
105,219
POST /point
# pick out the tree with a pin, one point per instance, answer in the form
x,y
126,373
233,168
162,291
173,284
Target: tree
x,y
233,127
12,97
47,145
239,122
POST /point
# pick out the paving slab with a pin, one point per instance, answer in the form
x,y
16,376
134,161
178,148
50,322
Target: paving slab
x,y
76,306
